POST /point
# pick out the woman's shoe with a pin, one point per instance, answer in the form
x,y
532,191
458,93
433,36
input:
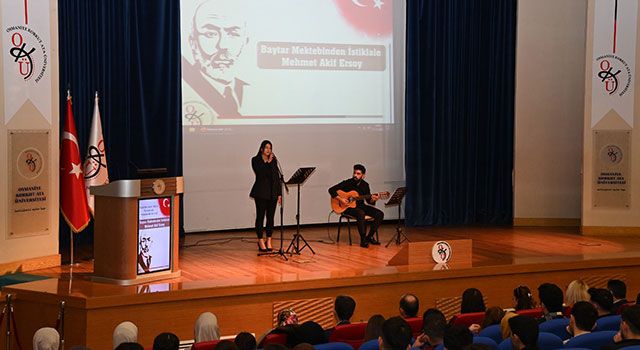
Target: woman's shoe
x,y
268,245
260,249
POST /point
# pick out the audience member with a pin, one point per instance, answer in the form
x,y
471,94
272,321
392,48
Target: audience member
x,y
524,333
46,338
602,300
374,327
523,298
433,327
409,306
130,346
577,291
457,337
245,341
472,301
505,330
308,332
226,345
125,332
619,291
166,341
344,307
551,299
396,335
287,317
206,328
629,334
287,321
492,316
583,319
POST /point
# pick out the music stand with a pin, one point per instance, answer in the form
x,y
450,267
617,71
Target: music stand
x,y
298,178
396,199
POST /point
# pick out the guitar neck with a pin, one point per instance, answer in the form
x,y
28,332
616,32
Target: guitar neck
x,y
365,196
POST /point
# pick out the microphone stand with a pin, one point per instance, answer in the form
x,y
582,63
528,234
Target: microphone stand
x,y
280,251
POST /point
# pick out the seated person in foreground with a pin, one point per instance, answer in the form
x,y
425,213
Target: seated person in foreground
x,y
358,184
583,319
619,291
629,334
396,335
524,333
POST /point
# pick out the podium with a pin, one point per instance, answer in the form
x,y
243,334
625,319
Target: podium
x,y
136,230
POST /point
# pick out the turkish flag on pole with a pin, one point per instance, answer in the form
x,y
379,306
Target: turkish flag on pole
x,y
73,199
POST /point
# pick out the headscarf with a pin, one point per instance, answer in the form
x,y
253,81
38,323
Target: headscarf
x,y
125,332
46,338
206,328
287,317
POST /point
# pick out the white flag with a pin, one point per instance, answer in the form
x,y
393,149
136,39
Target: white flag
x,y
95,164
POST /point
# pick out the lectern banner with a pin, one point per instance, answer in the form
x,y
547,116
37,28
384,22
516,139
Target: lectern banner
x,y
154,235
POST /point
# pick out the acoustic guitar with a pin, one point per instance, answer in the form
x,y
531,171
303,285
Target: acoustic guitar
x,y
352,197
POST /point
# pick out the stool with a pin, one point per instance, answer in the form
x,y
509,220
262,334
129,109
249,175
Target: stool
x,y
349,218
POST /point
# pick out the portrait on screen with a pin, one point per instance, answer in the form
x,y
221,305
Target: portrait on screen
x,y
217,39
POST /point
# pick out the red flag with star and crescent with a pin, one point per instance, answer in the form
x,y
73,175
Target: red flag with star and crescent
x,y
373,18
73,199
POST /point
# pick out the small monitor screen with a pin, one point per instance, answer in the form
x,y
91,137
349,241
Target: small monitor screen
x,y
154,235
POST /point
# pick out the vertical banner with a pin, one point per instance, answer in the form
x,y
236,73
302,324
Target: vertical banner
x,y
29,183
614,57
26,44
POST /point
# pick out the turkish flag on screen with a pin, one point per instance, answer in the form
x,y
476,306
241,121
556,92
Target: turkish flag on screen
x,y
370,17
73,199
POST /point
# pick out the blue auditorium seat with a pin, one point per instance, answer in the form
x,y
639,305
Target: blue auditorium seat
x,y
557,327
486,341
492,332
608,323
546,341
369,345
593,341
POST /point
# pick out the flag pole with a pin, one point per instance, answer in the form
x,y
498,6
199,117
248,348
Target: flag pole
x,y
71,263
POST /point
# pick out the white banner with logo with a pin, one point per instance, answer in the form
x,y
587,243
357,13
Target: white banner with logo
x,y
614,57
26,45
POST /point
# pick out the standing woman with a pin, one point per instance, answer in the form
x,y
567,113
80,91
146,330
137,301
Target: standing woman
x,y
266,191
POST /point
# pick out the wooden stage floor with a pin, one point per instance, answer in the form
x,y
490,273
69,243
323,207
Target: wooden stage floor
x,y
222,273
231,258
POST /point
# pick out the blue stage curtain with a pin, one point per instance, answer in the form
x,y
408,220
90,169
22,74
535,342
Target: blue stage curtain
x,y
128,51
460,111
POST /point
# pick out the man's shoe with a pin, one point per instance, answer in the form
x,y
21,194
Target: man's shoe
x,y
373,241
364,244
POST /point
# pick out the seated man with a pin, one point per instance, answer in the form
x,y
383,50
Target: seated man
x,y
524,332
344,307
551,298
433,327
629,334
396,335
358,184
457,337
409,306
583,319
619,291
602,300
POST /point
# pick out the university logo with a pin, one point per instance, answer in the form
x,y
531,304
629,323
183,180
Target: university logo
x,y
614,74
95,161
28,53
441,252
30,163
